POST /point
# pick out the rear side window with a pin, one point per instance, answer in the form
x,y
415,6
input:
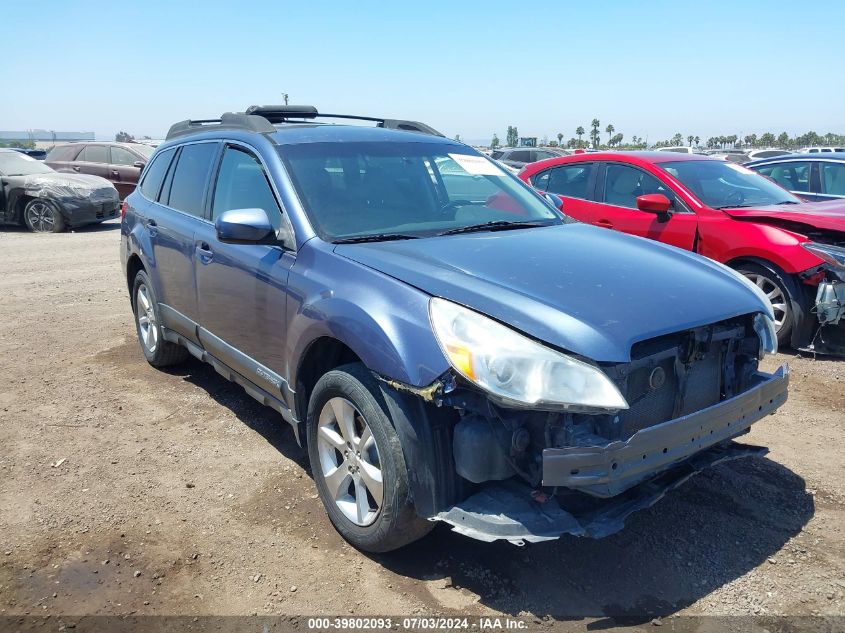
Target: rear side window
x,y
120,156
570,180
94,154
64,152
833,179
521,155
187,191
242,184
154,174
794,175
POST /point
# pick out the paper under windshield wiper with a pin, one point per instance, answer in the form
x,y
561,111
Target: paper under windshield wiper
x,y
493,226
375,237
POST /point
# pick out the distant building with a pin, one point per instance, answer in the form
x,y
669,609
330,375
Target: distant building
x,y
45,135
528,141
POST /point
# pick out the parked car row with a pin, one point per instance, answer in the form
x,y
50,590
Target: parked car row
x,y
121,163
448,345
793,250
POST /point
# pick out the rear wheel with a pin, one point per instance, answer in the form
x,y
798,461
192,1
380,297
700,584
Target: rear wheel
x,y
358,464
781,291
42,216
158,352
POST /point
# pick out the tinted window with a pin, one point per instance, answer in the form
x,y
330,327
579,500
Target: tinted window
x,y
496,155
623,185
541,181
120,156
794,175
833,178
154,174
64,152
571,180
190,177
94,154
242,184
521,155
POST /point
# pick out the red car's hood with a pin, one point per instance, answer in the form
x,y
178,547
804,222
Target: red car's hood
x,y
821,215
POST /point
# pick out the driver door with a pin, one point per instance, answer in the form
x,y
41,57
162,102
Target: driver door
x,y
619,185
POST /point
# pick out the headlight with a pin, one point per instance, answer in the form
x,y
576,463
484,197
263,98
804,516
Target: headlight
x,y
833,255
765,328
515,368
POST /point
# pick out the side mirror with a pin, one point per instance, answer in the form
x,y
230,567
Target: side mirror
x,y
139,164
555,200
249,226
655,203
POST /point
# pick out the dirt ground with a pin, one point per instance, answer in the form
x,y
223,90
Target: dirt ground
x,y
124,489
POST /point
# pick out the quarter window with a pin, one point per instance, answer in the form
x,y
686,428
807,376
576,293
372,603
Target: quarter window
x,y
794,175
94,154
833,179
623,185
187,190
243,184
154,174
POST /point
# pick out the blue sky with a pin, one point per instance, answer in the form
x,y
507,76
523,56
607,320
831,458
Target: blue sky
x,y
651,68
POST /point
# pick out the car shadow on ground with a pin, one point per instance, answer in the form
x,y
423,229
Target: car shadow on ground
x,y
712,530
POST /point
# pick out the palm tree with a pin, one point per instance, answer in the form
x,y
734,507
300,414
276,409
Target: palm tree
x,y
697,140
560,138
594,132
579,132
610,130
690,139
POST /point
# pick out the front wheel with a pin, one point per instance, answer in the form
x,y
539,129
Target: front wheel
x,y
781,291
42,216
358,464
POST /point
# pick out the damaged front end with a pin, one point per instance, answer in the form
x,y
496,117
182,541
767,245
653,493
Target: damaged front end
x,y
543,471
828,336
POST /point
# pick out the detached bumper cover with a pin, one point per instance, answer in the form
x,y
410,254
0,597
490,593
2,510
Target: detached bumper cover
x,y
506,511
81,212
606,471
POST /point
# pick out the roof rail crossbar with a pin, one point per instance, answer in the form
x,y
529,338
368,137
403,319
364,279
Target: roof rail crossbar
x,y
283,114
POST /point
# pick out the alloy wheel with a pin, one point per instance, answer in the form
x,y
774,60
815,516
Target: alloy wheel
x,y
40,217
774,294
349,461
147,325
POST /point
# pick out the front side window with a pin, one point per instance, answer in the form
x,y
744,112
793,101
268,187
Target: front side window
x,y
418,189
187,191
120,156
94,154
723,185
243,184
571,181
520,156
624,184
794,175
154,174
833,179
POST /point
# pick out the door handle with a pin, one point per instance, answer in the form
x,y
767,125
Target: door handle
x,y
606,224
75,167
114,172
204,252
152,227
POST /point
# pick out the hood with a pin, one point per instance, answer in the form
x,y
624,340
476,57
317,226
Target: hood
x,y
69,186
580,288
820,215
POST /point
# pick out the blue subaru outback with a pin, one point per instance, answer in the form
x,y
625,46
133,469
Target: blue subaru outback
x,y
446,343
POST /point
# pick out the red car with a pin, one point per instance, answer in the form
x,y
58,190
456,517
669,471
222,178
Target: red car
x,y
792,250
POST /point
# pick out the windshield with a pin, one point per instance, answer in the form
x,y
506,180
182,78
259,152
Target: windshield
x,y
17,164
722,185
395,190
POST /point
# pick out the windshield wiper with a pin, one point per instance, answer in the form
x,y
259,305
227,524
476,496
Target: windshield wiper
x,y
495,225
376,237
787,202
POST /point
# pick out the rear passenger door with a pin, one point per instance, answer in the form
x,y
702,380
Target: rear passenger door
x,y
93,160
242,288
172,223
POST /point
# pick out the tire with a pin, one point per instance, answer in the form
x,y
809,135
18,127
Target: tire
x,y
157,351
351,393
783,293
42,216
